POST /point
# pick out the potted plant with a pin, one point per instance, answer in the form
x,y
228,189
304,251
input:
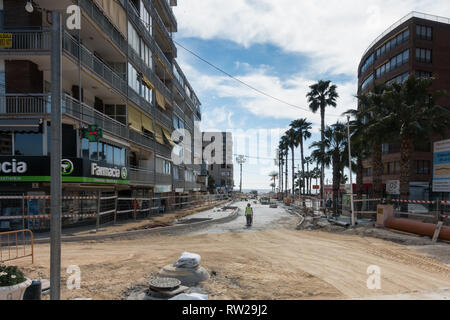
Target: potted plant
x,y
12,283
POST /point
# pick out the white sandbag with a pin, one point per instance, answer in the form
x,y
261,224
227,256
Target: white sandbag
x,y
190,296
188,260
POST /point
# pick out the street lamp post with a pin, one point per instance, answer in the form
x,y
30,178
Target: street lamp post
x,y
241,160
352,208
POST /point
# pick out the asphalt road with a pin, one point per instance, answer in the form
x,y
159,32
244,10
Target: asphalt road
x,y
264,218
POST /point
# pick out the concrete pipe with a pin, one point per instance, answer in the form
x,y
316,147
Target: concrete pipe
x,y
417,227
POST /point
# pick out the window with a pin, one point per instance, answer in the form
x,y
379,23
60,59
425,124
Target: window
x,y
176,174
366,82
146,92
391,168
133,81
424,32
146,18
423,74
100,151
423,55
399,79
6,145
368,63
133,38
394,63
423,167
391,44
367,172
28,144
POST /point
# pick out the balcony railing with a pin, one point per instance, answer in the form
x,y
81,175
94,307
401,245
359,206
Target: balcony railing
x,y
410,15
142,176
95,64
107,27
170,13
29,40
25,104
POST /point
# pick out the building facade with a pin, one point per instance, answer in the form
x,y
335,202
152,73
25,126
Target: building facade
x,y
218,146
417,44
123,96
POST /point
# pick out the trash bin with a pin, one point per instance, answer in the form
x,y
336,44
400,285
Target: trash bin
x,y
34,291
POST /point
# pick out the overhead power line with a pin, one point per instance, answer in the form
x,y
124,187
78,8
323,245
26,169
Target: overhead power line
x,y
248,85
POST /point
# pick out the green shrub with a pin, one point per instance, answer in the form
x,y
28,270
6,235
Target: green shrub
x,y
10,276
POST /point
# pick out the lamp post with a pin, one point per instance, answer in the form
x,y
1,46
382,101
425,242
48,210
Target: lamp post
x,y
241,160
350,175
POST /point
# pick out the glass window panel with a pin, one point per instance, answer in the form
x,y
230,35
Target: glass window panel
x,y
117,156
6,144
28,144
102,152
93,151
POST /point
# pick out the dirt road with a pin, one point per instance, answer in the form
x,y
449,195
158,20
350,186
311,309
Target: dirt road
x,y
253,264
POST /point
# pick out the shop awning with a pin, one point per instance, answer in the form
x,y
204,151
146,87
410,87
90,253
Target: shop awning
x,y
148,83
160,100
147,123
159,135
168,137
135,119
21,125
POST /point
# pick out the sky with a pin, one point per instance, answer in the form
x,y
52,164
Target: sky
x,y
281,48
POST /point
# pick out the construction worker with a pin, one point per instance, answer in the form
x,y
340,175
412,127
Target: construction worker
x,y
249,214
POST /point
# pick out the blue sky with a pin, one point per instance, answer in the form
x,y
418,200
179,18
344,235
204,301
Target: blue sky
x,y
280,47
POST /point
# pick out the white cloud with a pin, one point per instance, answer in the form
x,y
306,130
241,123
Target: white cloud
x,y
334,33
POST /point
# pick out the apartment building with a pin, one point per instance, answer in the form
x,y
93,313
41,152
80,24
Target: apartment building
x,y
417,44
218,146
123,96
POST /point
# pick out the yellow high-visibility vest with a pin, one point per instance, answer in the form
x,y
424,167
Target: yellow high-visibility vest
x,y
248,211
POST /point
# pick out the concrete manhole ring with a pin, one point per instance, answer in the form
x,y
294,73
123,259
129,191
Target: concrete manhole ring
x,y
164,283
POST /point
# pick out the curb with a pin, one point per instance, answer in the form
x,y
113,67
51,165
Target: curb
x,y
155,231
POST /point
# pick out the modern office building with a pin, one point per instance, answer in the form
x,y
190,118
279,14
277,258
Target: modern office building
x,y
219,145
417,44
123,96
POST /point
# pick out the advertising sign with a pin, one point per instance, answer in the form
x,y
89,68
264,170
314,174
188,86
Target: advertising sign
x,y
441,166
393,187
37,169
5,40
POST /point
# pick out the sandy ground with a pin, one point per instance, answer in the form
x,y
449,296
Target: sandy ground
x,y
276,263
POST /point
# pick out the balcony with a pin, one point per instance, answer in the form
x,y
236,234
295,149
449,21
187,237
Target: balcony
x,y
94,64
25,104
142,176
107,27
168,9
134,16
39,41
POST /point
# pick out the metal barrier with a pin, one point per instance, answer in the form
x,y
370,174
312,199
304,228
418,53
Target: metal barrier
x,y
33,211
14,247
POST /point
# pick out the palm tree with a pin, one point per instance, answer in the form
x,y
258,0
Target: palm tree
x,y
308,161
302,126
274,176
284,145
414,116
293,142
334,145
372,112
322,95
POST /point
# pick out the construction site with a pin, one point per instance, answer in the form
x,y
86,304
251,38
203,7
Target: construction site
x,y
297,252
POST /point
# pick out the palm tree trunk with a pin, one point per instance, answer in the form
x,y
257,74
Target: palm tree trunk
x,y
286,176
405,167
303,165
322,174
377,174
293,171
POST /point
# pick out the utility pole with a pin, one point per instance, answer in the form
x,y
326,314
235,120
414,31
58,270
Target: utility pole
x,y
55,159
241,160
352,208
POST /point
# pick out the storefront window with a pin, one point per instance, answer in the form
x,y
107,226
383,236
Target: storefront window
x,y
28,144
93,151
5,145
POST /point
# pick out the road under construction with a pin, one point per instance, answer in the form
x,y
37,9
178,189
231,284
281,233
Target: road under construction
x,y
271,260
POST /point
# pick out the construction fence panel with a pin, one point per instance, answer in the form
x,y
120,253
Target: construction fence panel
x,y
16,245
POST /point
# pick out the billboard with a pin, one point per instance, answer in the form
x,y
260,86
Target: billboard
x,y
441,166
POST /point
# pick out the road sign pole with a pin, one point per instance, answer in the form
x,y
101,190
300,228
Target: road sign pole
x,y
352,208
